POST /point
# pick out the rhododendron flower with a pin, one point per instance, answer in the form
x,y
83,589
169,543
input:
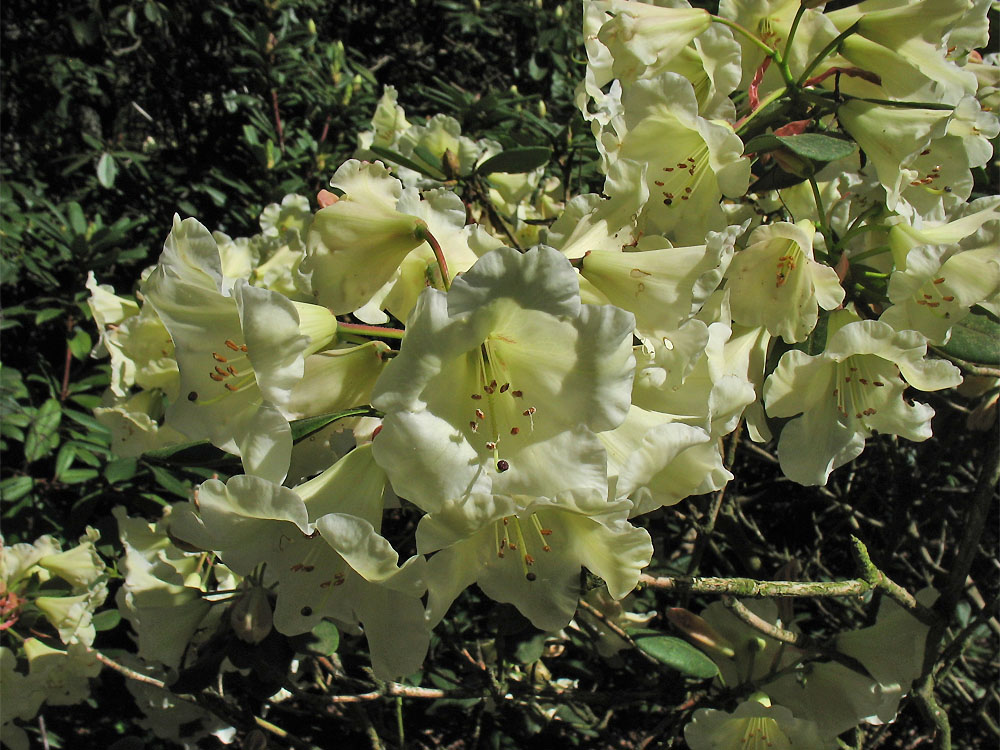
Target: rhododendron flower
x,y
755,723
691,161
318,545
493,373
528,551
775,283
239,349
854,388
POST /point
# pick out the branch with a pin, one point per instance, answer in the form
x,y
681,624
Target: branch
x,y
748,587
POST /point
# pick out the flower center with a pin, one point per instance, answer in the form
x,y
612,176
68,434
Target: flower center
x,y
509,535
762,732
231,368
932,298
787,263
858,385
500,411
680,179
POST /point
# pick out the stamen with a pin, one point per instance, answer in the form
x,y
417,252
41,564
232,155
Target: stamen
x,y
232,345
216,377
219,358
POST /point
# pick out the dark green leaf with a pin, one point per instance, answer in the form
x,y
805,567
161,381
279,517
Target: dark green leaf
x,y
325,638
80,344
75,476
14,488
815,146
107,619
676,653
975,338
170,483
107,170
43,434
305,427
516,160
397,158
120,470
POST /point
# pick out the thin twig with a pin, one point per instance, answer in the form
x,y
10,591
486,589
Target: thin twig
x,y
748,587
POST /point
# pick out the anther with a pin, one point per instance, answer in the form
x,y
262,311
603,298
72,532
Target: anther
x,y
480,414
516,394
514,430
504,387
222,372
232,345
491,446
216,377
231,388
528,412
232,370
474,426
477,396
219,358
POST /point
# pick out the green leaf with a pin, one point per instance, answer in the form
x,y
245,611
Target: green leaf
x,y
76,218
303,428
14,488
120,470
815,146
516,160
76,476
975,338
170,483
80,344
675,653
43,434
64,460
107,170
397,158
325,638
106,620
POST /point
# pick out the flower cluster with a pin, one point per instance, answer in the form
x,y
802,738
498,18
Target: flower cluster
x,y
525,378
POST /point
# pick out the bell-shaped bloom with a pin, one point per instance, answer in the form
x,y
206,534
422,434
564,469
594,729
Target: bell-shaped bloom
x,y
240,350
356,244
528,551
939,287
321,551
656,462
62,676
775,283
134,423
755,723
662,286
162,594
851,390
691,161
640,36
493,371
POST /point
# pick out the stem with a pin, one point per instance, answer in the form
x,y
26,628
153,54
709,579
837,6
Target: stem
x,y
277,120
879,580
777,94
824,225
748,587
366,330
769,51
603,619
758,623
425,234
799,12
905,105
867,253
971,369
825,52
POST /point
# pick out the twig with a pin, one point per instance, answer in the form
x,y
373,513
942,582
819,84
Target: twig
x,y
758,623
748,587
718,497
879,580
130,673
593,611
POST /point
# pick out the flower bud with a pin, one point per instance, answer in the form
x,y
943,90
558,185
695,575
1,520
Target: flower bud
x,y
698,631
250,616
